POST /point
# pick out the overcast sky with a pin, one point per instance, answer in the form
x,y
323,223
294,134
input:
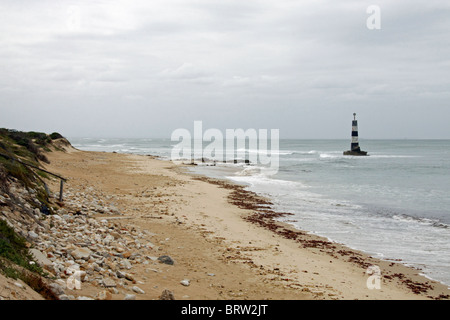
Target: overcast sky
x,y
145,68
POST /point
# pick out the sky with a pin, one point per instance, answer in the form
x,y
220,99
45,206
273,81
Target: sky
x,y
145,68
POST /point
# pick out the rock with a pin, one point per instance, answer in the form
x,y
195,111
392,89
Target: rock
x,y
40,258
130,297
37,212
56,289
121,250
167,295
104,295
125,264
33,235
185,282
81,253
166,259
114,290
108,283
62,283
151,258
57,217
114,210
107,240
125,275
138,290
129,277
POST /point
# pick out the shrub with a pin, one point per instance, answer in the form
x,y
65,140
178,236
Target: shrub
x,y
56,135
15,262
13,248
3,179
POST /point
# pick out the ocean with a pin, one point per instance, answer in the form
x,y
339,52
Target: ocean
x,y
393,204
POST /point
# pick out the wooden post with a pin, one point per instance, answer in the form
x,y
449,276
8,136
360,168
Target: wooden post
x,y
61,190
40,169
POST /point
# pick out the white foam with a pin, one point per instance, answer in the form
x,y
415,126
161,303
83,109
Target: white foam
x,y
268,152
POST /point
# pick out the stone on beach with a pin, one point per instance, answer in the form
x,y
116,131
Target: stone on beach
x,y
33,235
108,283
185,282
138,290
167,295
81,253
166,260
40,258
104,295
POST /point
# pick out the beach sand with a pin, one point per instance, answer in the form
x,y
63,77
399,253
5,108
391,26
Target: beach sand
x,y
223,242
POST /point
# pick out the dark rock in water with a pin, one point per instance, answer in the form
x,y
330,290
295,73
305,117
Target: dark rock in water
x,y
166,260
355,153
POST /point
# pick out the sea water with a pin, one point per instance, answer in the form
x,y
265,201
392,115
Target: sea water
x,y
393,204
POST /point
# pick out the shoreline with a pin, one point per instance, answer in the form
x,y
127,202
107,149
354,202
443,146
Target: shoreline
x,y
267,218
241,226
291,225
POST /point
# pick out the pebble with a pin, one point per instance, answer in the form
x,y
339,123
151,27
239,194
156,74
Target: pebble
x,y
167,295
185,282
108,283
138,290
104,295
166,260
56,289
19,285
33,235
130,297
81,253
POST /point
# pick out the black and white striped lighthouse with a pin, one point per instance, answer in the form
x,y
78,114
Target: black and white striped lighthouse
x,y
355,150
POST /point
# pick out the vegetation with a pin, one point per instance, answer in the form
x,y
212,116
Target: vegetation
x,y
16,261
28,147
27,144
13,247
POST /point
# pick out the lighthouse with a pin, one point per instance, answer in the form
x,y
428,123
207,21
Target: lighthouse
x,y
355,150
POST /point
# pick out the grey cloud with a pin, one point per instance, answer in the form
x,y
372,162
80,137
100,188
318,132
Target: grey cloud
x,y
283,64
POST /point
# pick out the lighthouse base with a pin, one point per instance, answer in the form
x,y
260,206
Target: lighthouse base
x,y
355,153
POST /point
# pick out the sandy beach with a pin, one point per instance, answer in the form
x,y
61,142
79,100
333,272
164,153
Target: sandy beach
x,y
225,240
